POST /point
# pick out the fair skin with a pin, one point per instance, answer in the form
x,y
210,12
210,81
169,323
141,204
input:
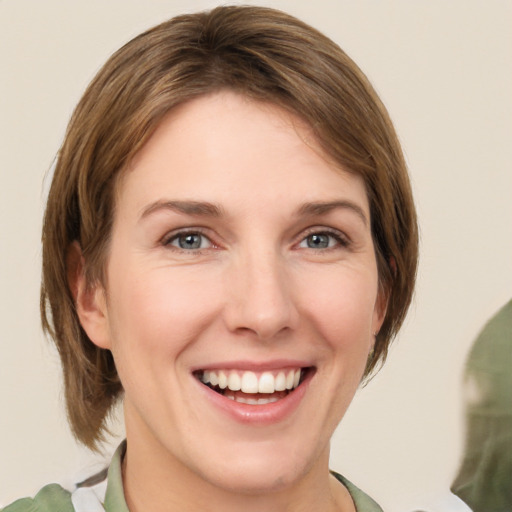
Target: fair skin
x,y
239,252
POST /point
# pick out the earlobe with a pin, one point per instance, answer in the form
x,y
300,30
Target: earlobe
x,y
89,299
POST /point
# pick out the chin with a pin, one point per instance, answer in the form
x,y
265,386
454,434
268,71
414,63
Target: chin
x,y
257,479
261,471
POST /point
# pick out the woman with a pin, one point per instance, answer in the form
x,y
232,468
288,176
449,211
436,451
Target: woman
x,y
229,245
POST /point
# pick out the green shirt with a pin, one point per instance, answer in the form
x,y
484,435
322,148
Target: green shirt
x,y
484,480
53,498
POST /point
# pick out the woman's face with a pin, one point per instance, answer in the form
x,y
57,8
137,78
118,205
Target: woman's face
x,y
240,257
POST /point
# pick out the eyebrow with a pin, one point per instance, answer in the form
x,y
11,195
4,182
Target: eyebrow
x,y
207,209
323,208
199,208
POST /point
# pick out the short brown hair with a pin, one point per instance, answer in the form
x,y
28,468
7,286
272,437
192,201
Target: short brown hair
x,y
258,52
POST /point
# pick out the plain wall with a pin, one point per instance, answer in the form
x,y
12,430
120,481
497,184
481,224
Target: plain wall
x,y
444,69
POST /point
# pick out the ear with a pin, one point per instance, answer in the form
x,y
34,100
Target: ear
x,y
90,301
380,310
382,302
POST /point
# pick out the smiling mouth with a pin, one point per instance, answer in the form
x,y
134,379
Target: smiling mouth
x,y
253,388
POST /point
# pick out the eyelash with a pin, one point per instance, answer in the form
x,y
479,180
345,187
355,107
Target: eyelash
x,y
171,237
341,240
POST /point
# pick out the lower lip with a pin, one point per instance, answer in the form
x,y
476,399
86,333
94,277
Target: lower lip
x,y
262,414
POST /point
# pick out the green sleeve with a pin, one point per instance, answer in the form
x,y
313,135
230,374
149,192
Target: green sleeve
x,y
52,498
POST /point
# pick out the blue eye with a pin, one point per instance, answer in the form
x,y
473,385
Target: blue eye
x,y
318,241
190,241
322,241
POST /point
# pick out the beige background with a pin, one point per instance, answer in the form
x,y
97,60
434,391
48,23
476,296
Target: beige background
x,y
444,69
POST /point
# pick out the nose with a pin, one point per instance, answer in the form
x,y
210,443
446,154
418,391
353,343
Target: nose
x,y
260,298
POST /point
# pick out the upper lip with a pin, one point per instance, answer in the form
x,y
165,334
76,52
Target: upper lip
x,y
255,366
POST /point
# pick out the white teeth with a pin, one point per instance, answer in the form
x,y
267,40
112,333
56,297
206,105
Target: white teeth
x,y
262,401
234,383
280,383
289,379
253,401
250,382
296,379
266,383
214,379
223,380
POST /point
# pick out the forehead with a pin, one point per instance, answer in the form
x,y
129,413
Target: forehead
x,y
228,145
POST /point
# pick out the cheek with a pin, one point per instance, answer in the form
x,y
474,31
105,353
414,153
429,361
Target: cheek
x,y
153,318
159,310
341,304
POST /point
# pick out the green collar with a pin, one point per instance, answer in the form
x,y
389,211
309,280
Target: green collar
x,y
115,502
114,496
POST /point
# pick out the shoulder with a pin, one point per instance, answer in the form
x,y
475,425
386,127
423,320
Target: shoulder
x,y
361,500
51,498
